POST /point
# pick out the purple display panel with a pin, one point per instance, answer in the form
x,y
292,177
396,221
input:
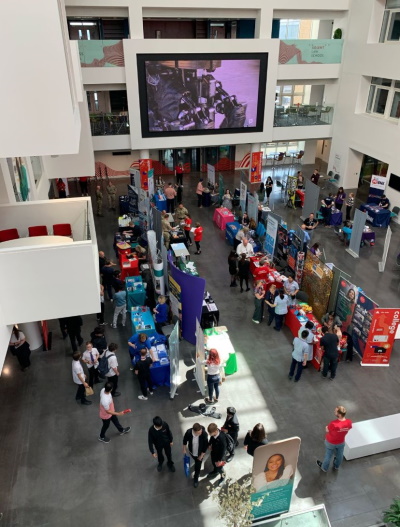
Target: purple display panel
x,y
192,295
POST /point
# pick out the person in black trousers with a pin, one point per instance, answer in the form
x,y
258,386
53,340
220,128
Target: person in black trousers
x,y
98,339
270,301
197,440
218,444
142,370
243,272
73,325
160,438
231,427
329,344
63,328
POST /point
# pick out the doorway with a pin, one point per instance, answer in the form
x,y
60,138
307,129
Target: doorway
x,y
189,157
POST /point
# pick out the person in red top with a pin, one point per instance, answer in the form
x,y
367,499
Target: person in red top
x,y
61,188
179,174
170,194
187,227
83,185
198,236
336,432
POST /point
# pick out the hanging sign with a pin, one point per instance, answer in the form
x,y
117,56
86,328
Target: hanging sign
x,y
256,167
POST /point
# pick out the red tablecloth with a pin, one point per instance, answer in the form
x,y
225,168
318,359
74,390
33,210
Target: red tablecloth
x,y
222,216
300,193
128,267
294,324
261,273
123,248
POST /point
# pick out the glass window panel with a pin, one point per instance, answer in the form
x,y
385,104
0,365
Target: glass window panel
x,y
381,81
286,101
394,27
298,99
380,101
370,99
385,22
395,112
299,88
397,84
287,89
392,4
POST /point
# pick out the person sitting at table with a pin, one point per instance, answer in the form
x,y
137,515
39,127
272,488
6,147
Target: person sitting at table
x,y
227,199
291,288
311,223
252,224
270,296
139,253
316,250
347,230
132,230
245,220
384,202
245,248
326,207
161,314
269,185
339,199
331,319
300,180
242,233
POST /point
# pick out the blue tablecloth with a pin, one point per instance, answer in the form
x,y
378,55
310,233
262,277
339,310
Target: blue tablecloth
x,y
160,201
142,321
136,296
378,216
160,372
336,218
232,228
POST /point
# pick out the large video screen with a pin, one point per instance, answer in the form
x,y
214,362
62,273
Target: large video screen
x,y
201,94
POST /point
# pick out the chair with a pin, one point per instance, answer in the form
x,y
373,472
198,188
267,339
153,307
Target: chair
x,y
298,157
395,212
38,230
62,229
9,234
320,216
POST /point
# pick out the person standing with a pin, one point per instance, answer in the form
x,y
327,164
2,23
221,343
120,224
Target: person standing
x,y
62,192
179,174
315,177
339,199
299,356
291,288
181,213
243,271
107,273
63,328
245,247
329,344
142,370
113,371
231,427
349,205
20,348
259,294
187,227
214,366
232,262
281,309
306,237
74,325
326,208
84,186
309,326
199,192
108,414
242,233
100,316
99,201
120,307
98,339
161,314
300,180
227,199
91,358
270,301
336,432
255,438
195,441
218,445
179,193
160,438
79,378
111,191
269,185
261,193
170,194
198,236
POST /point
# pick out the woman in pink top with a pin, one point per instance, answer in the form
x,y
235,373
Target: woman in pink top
x,y
199,192
170,194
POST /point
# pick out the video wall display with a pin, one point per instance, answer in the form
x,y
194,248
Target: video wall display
x,y
201,94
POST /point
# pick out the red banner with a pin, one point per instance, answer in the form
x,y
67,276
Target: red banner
x,y
144,166
256,167
381,337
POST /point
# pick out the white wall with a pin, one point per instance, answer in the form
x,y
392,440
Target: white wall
x,y
5,335
111,142
111,75
323,149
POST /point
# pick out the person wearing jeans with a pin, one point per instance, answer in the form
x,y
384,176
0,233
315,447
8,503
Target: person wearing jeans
x,y
213,374
113,372
196,441
336,432
108,414
120,307
299,355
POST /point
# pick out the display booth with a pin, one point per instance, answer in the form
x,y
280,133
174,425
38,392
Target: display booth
x,y
317,283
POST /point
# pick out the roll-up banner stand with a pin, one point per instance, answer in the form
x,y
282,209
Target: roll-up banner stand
x,y
311,199
200,372
173,343
381,265
356,233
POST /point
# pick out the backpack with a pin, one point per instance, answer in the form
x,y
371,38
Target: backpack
x,y
230,444
104,367
206,411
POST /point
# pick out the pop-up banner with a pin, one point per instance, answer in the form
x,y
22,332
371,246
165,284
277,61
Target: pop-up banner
x,y
376,188
256,167
381,337
362,320
346,302
144,167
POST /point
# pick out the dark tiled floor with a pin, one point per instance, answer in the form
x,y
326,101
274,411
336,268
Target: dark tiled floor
x,y
56,473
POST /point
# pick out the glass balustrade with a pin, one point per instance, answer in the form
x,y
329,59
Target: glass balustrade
x,y
303,115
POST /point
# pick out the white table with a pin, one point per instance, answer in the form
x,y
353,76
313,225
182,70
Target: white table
x,y
180,249
35,241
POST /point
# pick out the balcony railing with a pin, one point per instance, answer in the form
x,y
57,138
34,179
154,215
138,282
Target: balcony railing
x,y
303,115
109,124
101,53
317,51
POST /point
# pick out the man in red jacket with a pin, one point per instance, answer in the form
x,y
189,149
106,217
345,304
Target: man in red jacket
x,y
198,236
336,432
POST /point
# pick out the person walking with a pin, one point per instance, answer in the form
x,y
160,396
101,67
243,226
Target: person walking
x,y
214,366
84,186
62,192
281,309
111,191
269,185
198,236
99,201
120,307
74,325
79,378
179,174
160,438
255,438
349,205
170,194
187,227
270,296
20,348
219,448
329,344
232,262
199,192
336,432
142,370
100,316
113,371
259,294
195,441
243,272
91,358
299,355
108,414
231,427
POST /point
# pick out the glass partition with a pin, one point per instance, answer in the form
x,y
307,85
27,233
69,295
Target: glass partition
x,y
303,115
109,124
101,53
315,517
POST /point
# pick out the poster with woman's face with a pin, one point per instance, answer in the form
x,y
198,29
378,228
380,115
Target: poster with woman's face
x,y
346,302
274,468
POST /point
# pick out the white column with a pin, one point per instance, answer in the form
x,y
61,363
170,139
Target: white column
x,y
144,154
256,147
33,334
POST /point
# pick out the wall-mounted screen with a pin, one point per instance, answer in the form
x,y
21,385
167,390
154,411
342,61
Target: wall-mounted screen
x,y
201,94
394,182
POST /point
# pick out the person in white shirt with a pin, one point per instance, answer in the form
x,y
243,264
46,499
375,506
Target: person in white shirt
x,y
195,441
291,288
107,413
91,358
113,372
245,247
79,378
281,308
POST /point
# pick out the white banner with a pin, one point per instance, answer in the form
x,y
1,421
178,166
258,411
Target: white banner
x,y
199,373
378,182
270,237
211,174
243,191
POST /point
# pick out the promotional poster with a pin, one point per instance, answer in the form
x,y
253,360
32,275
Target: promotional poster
x,y
346,302
133,200
252,206
144,167
256,167
150,182
282,242
211,174
317,283
381,337
270,235
362,319
274,468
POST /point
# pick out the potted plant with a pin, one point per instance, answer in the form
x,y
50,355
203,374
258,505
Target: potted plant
x,y
337,34
392,515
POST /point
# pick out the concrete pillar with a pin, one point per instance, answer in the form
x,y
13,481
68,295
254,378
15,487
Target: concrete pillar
x,y
144,154
33,334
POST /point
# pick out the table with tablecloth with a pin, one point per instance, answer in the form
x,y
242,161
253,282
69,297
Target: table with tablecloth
x,y
232,228
301,194
294,323
160,371
142,320
218,338
368,236
265,272
161,201
378,216
336,218
222,216
135,291
129,266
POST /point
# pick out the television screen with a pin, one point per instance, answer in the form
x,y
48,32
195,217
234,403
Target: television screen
x,y
198,94
394,182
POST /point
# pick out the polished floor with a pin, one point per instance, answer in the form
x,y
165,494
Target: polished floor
x,y
55,473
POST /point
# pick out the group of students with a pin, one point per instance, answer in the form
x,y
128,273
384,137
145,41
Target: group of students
x,y
183,220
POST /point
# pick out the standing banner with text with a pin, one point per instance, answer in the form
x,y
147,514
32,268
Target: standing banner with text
x,y
144,167
173,344
346,302
270,235
252,206
150,182
274,467
211,174
362,318
256,167
376,189
381,337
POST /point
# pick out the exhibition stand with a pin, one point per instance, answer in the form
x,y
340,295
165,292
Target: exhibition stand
x,y
129,266
160,201
232,228
142,321
210,312
218,339
378,216
135,292
222,216
294,321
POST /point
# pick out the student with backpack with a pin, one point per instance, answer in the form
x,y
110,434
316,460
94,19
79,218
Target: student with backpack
x,y
219,450
108,367
231,427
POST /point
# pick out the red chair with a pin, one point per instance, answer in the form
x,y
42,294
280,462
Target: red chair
x,y
62,229
38,230
9,234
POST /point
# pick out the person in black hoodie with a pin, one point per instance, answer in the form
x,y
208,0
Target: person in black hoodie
x,y
255,438
73,325
231,427
197,440
218,445
160,438
98,339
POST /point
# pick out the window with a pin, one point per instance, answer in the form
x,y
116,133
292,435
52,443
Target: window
x,y
298,29
290,95
384,98
96,101
391,22
270,149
